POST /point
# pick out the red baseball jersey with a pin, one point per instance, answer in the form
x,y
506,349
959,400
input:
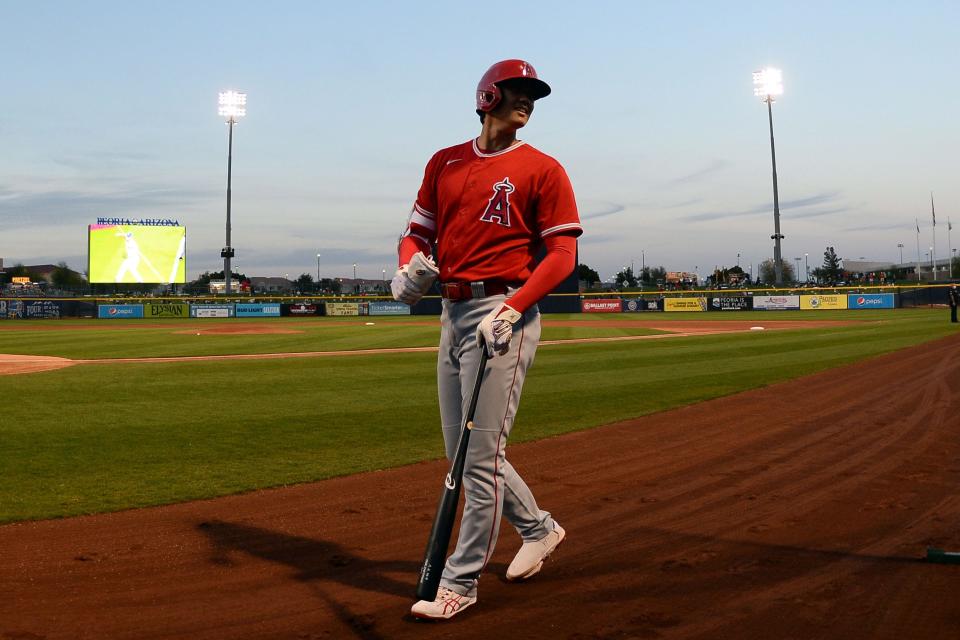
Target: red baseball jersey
x,y
489,212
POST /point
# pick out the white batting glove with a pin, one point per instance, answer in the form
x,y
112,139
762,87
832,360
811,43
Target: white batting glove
x,y
413,280
403,288
496,330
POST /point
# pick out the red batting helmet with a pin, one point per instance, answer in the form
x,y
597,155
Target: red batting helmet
x,y
488,93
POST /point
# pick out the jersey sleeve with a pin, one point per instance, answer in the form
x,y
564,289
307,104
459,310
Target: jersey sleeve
x,y
421,229
557,206
559,262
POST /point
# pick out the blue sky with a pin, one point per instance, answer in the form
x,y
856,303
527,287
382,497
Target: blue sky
x,y
109,109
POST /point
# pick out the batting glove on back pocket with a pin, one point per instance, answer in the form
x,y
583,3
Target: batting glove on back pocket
x,y
496,330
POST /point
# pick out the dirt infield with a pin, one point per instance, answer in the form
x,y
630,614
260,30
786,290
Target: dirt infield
x,y
13,364
702,326
242,330
796,511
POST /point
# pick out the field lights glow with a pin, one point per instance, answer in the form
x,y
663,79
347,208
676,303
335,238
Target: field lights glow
x,y
768,83
233,105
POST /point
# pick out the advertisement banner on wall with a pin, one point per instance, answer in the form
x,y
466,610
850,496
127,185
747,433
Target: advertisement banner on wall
x,y
41,309
776,303
10,309
388,309
730,303
344,309
813,303
212,311
77,309
594,305
118,311
870,301
642,304
258,310
166,310
301,309
684,304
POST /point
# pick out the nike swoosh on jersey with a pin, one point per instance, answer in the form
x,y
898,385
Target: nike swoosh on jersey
x,y
454,160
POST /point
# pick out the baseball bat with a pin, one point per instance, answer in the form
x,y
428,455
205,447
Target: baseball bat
x,y
439,541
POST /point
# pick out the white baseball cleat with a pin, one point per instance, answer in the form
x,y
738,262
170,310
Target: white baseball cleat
x,y
447,604
529,560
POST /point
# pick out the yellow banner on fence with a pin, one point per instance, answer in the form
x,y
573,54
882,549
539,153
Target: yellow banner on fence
x,y
823,302
343,309
684,304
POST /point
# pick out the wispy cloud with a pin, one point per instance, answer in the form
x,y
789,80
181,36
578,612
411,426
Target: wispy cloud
x,y
602,210
684,203
786,205
56,207
598,238
884,227
816,213
700,174
102,160
385,256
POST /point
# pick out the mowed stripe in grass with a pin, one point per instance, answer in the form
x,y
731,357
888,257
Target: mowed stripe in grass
x,y
89,439
132,338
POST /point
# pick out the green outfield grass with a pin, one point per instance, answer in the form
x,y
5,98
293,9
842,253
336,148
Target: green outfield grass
x,y
82,340
97,438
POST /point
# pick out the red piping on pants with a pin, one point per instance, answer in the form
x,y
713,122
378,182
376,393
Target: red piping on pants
x,y
496,459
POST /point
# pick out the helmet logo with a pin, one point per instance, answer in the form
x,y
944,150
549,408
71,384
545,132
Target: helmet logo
x,y
498,208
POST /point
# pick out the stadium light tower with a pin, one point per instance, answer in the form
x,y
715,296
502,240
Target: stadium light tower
x,y
233,106
767,84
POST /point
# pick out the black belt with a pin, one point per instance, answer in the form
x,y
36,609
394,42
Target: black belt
x,y
455,291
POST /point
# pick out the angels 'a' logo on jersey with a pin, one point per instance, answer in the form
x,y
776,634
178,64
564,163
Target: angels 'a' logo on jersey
x,y
498,209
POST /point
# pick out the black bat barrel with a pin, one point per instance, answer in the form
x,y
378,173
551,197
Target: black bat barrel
x,y
439,542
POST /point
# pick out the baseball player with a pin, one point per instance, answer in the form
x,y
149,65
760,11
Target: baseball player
x,y
487,206
954,297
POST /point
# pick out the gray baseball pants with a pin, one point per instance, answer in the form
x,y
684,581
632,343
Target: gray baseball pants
x,y
491,486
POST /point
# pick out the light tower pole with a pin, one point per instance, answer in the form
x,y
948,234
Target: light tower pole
x,y
768,83
806,268
233,106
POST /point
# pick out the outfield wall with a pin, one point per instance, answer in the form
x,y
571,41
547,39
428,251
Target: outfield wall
x,y
655,302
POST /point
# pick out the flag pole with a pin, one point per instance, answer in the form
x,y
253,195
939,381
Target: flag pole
x,y
933,252
949,247
918,248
